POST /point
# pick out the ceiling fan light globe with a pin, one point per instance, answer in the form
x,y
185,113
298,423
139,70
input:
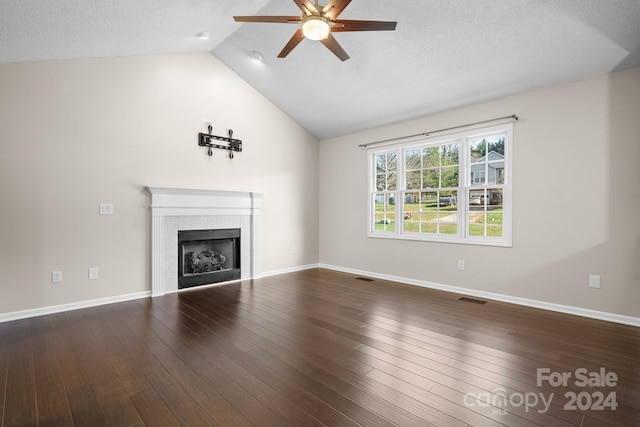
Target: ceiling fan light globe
x,y
315,28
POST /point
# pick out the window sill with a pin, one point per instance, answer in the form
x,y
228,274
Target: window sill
x,y
503,243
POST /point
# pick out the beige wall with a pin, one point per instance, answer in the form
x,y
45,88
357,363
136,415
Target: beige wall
x,y
575,209
77,133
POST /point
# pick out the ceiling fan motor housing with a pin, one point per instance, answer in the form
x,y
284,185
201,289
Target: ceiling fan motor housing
x,y
315,27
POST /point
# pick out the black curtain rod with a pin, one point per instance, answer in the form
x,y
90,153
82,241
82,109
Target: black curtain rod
x,y
513,117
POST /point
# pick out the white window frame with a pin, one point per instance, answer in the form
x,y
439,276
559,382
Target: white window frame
x,y
463,138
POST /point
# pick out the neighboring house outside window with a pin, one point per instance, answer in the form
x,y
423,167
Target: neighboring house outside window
x,y
454,188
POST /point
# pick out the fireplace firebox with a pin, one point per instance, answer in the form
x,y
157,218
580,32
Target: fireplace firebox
x,y
208,256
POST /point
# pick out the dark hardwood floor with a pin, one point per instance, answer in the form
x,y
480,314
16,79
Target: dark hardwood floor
x,y
315,348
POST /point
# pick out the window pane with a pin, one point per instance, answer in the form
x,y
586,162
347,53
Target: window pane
x,y
495,197
478,174
485,224
429,214
476,228
413,158
384,212
386,175
411,212
391,162
431,157
487,160
448,227
386,182
485,212
493,173
494,217
449,176
494,230
495,144
392,181
476,200
414,180
447,199
386,163
495,168
429,200
381,163
431,178
448,212
478,150
477,212
450,155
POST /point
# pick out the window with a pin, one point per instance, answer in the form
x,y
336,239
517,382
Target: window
x,y
453,188
386,184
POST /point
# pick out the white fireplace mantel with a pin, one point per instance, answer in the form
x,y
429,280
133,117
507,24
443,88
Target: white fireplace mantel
x,y
178,209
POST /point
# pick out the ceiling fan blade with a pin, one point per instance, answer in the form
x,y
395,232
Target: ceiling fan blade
x,y
293,42
334,8
332,44
355,25
270,19
306,7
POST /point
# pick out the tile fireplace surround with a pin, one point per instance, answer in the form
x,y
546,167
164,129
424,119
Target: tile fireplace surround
x,y
178,209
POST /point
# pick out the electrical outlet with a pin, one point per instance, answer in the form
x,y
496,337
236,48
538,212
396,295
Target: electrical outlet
x,y
93,273
205,125
461,265
106,209
56,276
594,281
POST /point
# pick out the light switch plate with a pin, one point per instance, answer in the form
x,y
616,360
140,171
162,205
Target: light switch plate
x,y
106,209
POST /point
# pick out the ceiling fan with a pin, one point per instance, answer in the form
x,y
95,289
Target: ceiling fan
x,y
318,22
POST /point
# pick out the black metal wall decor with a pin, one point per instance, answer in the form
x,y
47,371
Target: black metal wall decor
x,y
204,140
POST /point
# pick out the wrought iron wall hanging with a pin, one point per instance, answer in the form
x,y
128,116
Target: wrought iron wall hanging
x,y
204,140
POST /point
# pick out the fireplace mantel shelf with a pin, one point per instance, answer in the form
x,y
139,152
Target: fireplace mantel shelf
x,y
198,199
154,189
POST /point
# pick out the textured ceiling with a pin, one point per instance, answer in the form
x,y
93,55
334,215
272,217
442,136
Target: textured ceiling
x,y
443,54
32,30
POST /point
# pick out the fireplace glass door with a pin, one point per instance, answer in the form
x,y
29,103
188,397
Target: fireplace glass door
x,y
208,256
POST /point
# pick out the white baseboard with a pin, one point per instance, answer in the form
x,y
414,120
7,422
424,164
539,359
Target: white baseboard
x,y
288,270
577,311
16,315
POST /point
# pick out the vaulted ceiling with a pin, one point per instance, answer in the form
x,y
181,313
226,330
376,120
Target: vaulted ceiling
x,y
442,55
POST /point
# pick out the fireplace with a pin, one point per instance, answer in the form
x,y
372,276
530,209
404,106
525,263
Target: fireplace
x,y
208,256
175,210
